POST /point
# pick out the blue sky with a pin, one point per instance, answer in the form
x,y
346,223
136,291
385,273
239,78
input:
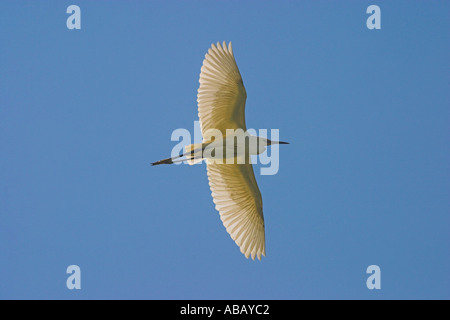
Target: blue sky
x,y
365,180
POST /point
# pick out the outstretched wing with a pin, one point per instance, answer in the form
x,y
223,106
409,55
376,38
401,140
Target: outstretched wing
x,y
221,95
238,200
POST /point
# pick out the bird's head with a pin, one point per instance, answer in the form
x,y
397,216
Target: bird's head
x,y
263,143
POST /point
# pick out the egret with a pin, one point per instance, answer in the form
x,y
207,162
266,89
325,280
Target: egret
x,y
221,109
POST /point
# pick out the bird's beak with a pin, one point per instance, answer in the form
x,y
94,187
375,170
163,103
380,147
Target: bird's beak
x,y
269,142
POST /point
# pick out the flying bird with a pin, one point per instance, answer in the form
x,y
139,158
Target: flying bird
x,y
221,110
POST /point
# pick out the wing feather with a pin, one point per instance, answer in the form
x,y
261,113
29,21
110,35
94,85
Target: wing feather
x,y
221,95
221,105
238,200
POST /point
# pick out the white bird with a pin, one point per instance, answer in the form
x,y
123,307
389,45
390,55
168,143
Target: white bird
x,y
221,106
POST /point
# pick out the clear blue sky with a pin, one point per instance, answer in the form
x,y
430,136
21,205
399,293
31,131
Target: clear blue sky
x,y
365,180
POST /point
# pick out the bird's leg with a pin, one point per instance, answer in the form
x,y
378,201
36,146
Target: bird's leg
x,y
164,161
171,160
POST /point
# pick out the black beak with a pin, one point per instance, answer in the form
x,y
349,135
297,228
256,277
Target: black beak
x,y
281,142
